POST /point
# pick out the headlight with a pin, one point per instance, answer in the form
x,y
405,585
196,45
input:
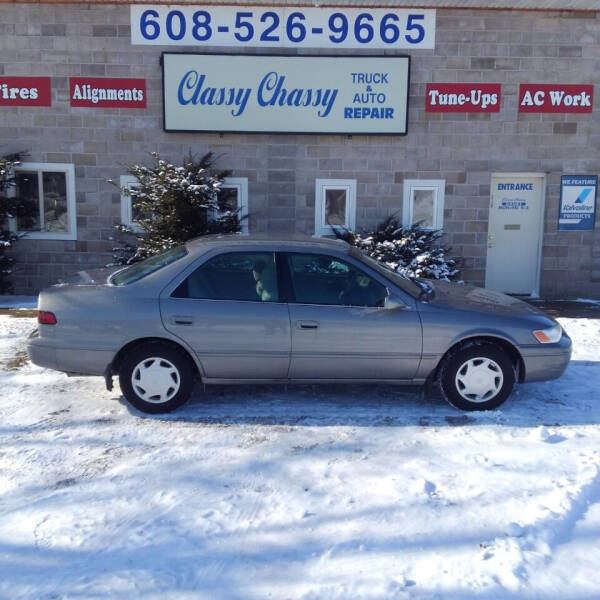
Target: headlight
x,y
548,336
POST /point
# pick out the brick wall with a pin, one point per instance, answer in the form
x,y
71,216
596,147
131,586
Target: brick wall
x,y
472,46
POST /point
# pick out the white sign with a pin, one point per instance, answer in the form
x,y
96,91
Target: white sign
x,y
282,27
285,94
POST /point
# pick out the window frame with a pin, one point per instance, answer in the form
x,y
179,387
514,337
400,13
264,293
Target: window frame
x,y
360,267
241,185
126,205
321,187
238,183
187,273
436,185
69,170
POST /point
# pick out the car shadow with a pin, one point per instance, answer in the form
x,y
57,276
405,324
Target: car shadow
x,y
571,400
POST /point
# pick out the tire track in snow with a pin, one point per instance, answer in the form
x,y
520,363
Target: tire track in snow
x,y
537,542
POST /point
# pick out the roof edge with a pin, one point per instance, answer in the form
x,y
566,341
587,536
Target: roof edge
x,y
431,5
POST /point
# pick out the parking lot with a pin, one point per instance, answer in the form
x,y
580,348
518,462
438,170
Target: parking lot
x,y
306,492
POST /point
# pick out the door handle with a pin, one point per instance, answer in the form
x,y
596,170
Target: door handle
x,y
307,324
182,320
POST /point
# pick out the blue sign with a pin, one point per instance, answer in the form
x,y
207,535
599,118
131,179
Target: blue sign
x,y
577,211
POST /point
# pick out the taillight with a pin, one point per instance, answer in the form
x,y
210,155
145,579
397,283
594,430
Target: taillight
x,y
46,318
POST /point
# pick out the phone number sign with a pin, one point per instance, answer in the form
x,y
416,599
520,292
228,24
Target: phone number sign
x,y
282,27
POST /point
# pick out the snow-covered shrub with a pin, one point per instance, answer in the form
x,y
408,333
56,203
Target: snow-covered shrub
x,y
412,251
10,206
173,204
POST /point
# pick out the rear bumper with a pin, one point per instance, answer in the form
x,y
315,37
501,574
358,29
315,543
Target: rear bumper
x,y
41,354
546,362
70,360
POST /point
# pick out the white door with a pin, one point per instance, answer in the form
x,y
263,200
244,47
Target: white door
x,y
515,233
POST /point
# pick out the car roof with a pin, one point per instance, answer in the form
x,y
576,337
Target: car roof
x,y
281,242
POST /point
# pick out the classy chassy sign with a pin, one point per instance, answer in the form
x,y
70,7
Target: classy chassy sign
x,y
282,27
107,92
555,98
462,97
25,91
293,94
577,202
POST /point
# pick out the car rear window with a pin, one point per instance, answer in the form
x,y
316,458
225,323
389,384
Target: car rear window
x,y
144,268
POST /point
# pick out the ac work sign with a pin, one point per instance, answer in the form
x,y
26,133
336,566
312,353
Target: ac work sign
x,y
285,94
555,98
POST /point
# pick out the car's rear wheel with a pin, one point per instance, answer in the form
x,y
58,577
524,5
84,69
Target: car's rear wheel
x,y
156,378
479,376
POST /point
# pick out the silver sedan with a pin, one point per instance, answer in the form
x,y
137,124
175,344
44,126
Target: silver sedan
x,y
240,309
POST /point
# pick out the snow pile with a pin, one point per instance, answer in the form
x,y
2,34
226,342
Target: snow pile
x,y
312,493
412,251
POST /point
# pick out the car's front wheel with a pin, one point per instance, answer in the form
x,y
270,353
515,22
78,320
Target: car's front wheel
x,y
156,378
479,376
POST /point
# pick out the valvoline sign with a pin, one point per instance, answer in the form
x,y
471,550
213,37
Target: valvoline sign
x,y
555,98
577,202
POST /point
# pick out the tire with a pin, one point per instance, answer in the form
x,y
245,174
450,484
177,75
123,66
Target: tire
x,y
156,378
479,376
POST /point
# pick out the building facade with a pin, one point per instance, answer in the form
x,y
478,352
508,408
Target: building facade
x,y
501,140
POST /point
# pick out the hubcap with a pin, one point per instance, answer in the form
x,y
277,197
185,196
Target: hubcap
x,y
155,380
479,379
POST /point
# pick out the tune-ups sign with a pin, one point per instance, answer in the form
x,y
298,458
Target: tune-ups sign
x,y
462,97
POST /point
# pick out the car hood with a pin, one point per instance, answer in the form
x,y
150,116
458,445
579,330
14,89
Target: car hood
x,y
468,297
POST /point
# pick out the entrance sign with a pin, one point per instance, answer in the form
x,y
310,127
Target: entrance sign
x,y
25,91
285,94
577,210
282,26
515,229
462,97
555,98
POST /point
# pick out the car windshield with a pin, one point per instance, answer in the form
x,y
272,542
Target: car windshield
x,y
144,268
404,283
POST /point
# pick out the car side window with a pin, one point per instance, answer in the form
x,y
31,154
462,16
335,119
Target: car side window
x,y
249,276
321,279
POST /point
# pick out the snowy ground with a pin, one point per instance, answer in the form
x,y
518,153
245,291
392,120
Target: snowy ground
x,y
325,493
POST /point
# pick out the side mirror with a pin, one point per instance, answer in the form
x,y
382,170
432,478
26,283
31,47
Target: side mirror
x,y
393,302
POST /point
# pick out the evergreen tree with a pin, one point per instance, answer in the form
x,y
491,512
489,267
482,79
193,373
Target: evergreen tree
x,y
11,206
412,250
172,205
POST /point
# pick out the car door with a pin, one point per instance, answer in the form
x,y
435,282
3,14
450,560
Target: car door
x,y
341,325
228,311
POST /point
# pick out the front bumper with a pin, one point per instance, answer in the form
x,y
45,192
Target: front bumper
x,y
544,362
